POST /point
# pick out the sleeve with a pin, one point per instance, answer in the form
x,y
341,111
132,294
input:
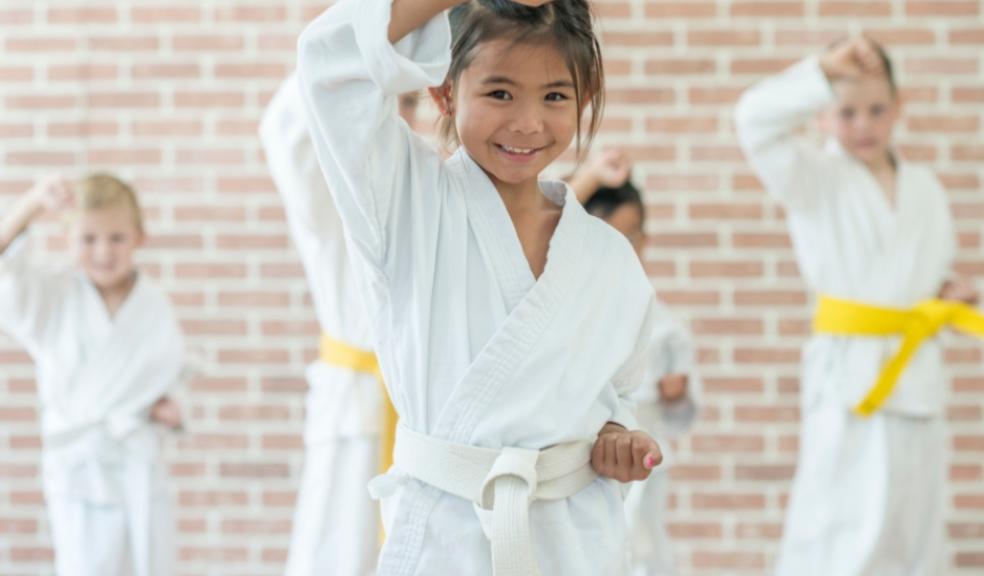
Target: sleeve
x,y
315,226
628,379
671,351
384,179
28,295
768,117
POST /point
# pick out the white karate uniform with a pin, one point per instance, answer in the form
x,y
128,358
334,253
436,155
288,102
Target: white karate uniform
x,y
98,376
868,494
671,352
336,524
474,349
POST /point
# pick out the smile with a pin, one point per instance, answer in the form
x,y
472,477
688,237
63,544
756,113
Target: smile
x,y
516,151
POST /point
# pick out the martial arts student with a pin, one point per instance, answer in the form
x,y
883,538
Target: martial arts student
x,y
874,240
512,327
668,399
108,350
336,524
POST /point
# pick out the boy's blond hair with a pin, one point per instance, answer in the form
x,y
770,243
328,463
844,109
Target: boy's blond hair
x,y
99,191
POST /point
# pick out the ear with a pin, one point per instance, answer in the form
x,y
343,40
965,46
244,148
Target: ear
x,y
441,95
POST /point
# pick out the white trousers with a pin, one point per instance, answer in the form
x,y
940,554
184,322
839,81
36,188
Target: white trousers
x,y
868,499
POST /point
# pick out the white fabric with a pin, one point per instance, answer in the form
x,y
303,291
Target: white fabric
x,y
98,377
335,521
846,515
474,349
501,484
671,352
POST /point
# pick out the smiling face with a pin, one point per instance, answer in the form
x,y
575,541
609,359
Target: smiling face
x,y
864,117
514,109
103,242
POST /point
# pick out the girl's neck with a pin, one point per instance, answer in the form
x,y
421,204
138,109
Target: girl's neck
x,y
520,197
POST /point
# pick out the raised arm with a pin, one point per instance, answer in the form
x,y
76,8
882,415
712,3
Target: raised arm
x,y
386,182
48,194
314,223
768,119
611,169
28,292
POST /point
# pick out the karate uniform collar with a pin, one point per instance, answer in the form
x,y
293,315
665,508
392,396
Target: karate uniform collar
x,y
497,235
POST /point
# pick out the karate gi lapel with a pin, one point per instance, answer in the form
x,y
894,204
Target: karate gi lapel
x,y
531,302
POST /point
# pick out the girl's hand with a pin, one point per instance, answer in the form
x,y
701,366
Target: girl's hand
x,y
958,289
673,387
167,412
53,194
624,455
852,59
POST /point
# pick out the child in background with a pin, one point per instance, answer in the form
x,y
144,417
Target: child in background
x,y
871,228
668,399
336,524
108,350
511,326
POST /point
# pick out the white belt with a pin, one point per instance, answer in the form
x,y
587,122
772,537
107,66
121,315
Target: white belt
x,y
501,484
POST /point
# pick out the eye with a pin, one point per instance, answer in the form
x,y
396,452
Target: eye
x,y
89,239
556,97
499,95
117,238
847,113
877,110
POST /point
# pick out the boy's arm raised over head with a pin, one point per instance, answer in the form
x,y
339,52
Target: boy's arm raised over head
x,y
50,194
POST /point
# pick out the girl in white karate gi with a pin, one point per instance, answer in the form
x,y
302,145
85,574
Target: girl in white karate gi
x,y
870,227
336,525
477,277
668,399
108,350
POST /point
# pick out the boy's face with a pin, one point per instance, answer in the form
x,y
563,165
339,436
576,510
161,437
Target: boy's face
x,y
103,242
627,220
864,117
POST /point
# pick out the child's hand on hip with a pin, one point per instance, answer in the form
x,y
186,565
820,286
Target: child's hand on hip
x,y
959,289
167,412
623,454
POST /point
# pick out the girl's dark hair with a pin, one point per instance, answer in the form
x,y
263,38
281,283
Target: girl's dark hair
x,y
567,24
606,201
886,60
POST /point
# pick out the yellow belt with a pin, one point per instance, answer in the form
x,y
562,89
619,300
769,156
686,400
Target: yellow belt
x,y
342,355
915,325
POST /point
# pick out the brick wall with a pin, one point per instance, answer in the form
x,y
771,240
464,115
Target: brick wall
x,y
168,94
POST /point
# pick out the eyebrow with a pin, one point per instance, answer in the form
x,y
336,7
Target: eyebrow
x,y
511,82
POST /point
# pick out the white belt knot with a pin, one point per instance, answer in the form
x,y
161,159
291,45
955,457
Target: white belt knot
x,y
501,484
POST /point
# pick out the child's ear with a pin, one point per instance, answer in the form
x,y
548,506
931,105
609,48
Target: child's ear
x,y
441,95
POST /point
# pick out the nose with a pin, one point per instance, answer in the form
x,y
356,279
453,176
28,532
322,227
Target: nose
x,y
528,118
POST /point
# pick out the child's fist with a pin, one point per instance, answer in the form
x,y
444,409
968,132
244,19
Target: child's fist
x,y
673,387
610,169
852,59
167,412
958,289
53,194
624,455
